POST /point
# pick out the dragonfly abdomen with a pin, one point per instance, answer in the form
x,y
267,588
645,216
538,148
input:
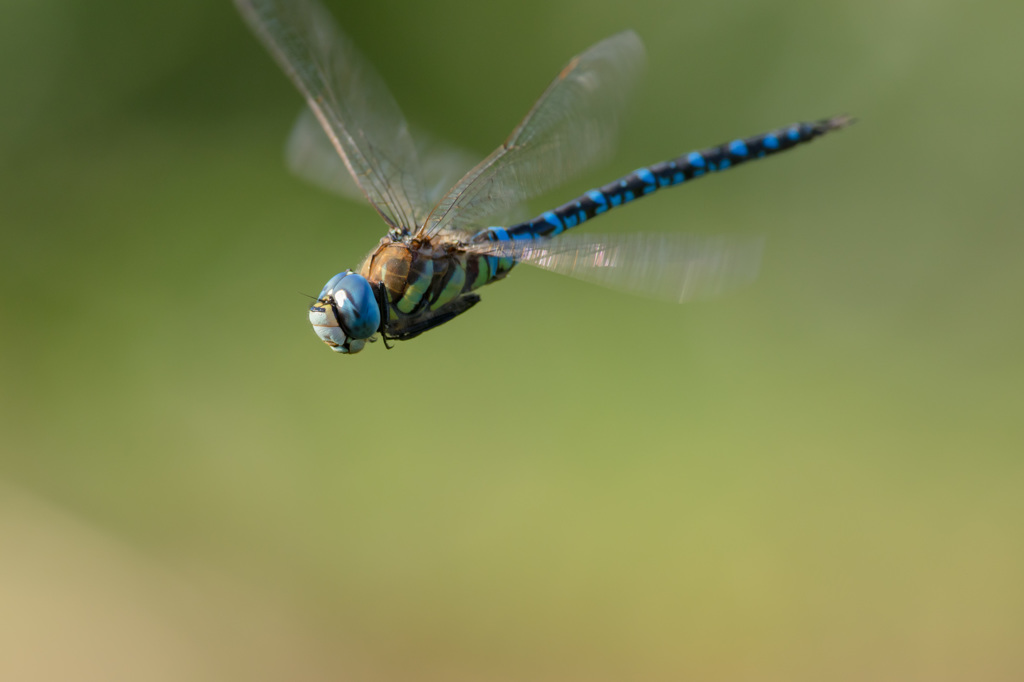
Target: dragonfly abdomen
x,y
649,179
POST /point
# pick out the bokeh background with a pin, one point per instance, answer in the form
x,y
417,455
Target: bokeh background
x,y
818,477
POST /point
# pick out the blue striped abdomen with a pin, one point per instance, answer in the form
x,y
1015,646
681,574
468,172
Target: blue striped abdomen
x,y
648,180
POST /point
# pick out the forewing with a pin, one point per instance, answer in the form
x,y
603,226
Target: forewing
x,y
311,156
571,126
350,101
670,267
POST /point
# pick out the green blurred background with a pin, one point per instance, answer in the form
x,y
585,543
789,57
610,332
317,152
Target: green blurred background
x,y
818,477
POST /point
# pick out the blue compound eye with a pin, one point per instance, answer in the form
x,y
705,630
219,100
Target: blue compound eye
x,y
346,313
332,284
357,306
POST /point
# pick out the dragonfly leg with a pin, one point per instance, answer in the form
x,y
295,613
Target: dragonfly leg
x,y
450,311
385,317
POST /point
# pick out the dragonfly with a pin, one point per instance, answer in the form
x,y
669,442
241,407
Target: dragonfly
x,y
441,245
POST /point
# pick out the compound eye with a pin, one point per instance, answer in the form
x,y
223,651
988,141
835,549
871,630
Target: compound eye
x,y
332,284
357,305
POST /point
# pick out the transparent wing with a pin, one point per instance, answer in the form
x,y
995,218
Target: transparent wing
x,y
669,267
311,155
571,126
349,99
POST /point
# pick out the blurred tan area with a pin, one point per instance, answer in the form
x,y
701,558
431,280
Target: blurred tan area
x,y
817,477
80,604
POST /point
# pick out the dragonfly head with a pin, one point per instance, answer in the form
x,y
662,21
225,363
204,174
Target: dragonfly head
x,y
346,313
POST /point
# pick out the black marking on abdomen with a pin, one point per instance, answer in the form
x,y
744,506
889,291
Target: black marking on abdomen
x,y
648,180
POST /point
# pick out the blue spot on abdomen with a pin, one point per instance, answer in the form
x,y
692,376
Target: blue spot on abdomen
x,y
599,199
738,148
646,177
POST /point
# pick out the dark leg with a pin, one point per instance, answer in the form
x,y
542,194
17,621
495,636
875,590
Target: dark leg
x,y
450,311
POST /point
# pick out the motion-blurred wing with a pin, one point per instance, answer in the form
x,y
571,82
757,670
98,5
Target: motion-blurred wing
x,y
350,101
311,155
670,267
571,126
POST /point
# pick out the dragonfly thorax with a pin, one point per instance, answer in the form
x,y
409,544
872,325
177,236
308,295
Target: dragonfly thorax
x,y
346,313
